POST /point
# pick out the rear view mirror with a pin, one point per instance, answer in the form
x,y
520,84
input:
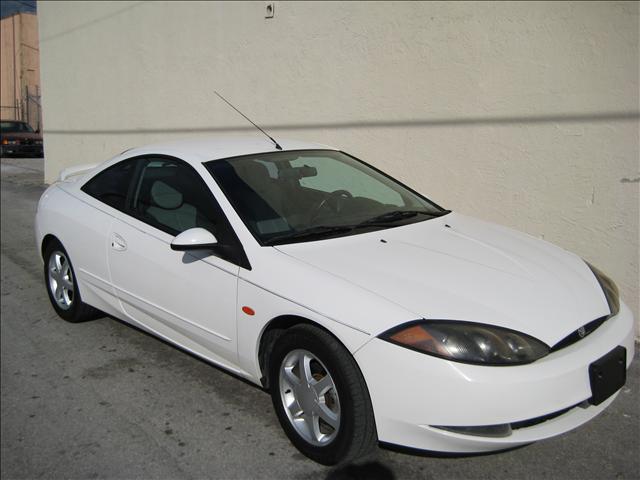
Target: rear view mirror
x,y
194,239
296,173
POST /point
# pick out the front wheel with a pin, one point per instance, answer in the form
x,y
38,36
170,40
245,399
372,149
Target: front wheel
x,y
320,396
62,286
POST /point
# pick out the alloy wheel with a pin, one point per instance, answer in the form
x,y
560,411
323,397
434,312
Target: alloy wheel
x,y
310,398
61,280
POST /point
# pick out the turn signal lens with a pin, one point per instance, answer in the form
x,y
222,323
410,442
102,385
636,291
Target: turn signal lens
x,y
418,338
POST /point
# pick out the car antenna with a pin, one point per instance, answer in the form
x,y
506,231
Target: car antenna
x,y
268,136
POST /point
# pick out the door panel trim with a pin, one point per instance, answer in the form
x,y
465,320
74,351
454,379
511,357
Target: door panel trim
x,y
151,313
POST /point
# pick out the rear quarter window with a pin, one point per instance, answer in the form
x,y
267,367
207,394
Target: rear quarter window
x,y
112,185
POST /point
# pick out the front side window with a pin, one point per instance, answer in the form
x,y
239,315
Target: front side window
x,y
286,197
111,185
170,196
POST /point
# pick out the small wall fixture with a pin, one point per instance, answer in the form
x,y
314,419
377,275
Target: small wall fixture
x,y
269,9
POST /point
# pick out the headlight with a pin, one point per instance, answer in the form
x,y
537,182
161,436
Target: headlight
x,y
6,141
467,342
609,288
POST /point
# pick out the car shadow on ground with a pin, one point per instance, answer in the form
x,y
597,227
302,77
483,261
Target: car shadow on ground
x,y
366,471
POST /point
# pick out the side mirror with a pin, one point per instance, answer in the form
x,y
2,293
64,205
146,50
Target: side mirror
x,y
194,239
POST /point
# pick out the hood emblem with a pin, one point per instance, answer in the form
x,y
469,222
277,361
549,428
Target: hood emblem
x,y
582,332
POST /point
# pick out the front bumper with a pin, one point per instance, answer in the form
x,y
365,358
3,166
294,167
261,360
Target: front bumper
x,y
411,392
25,150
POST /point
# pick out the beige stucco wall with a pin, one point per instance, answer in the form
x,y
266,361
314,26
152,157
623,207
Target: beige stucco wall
x,y
525,114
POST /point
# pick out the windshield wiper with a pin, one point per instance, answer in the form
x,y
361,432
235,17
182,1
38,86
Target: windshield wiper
x,y
323,231
395,215
319,231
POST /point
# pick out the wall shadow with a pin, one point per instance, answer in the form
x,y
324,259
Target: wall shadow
x,y
594,117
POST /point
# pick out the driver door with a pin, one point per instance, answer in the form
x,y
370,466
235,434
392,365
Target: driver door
x,y
188,298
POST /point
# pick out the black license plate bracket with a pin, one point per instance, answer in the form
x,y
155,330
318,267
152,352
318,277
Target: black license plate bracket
x,y
607,375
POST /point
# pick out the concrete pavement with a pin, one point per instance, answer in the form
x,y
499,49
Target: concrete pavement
x,y
104,400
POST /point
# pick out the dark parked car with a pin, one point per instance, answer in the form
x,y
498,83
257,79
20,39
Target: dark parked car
x,y
18,138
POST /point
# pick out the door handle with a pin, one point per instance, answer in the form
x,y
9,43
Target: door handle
x,y
118,243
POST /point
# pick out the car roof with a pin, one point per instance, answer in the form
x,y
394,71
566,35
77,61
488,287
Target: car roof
x,y
200,150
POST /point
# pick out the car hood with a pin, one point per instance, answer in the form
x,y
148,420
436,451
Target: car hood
x,y
459,268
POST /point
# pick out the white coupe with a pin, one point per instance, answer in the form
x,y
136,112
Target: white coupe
x,y
368,312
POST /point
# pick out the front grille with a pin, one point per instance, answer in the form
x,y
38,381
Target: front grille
x,y
579,334
505,429
538,420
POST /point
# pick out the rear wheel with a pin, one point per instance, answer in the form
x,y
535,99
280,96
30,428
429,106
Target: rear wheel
x,y
320,396
62,286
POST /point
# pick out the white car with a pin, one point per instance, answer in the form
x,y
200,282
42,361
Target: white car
x,y
370,313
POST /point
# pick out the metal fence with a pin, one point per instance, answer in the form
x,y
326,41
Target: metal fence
x,y
28,108
31,108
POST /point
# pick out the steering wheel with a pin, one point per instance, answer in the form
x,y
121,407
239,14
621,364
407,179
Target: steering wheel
x,y
337,196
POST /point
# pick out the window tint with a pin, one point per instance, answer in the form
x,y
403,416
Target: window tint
x,y
171,196
111,186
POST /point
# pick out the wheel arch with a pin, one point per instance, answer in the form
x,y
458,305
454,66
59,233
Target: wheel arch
x,y
46,241
273,330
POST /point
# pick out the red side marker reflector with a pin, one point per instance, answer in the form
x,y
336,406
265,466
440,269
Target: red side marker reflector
x,y
248,310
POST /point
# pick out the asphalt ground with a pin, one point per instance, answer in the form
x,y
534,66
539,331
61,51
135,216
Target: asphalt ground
x,y
105,400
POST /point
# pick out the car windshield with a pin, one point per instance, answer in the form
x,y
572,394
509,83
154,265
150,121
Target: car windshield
x,y
296,196
15,127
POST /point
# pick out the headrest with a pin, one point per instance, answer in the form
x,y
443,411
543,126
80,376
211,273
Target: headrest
x,y
165,196
253,173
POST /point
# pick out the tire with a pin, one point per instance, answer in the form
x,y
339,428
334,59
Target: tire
x,y
62,286
339,411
